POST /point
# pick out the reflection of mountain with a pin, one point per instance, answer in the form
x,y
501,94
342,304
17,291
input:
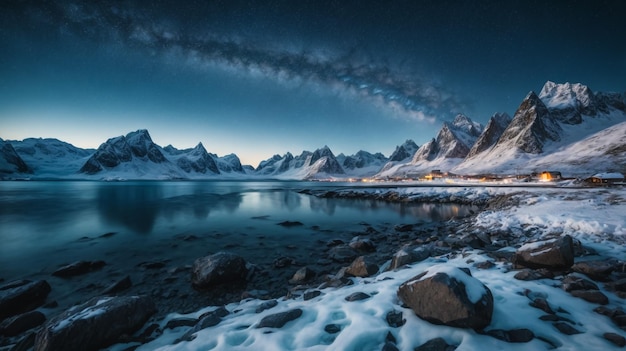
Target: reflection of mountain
x,y
426,212
133,206
137,206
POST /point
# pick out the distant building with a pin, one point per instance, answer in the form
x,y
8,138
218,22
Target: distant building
x,y
550,176
605,178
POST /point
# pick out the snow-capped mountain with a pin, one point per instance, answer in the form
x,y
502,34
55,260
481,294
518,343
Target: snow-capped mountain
x,y
545,129
362,160
194,160
489,137
10,162
199,160
452,144
133,155
404,151
51,157
308,165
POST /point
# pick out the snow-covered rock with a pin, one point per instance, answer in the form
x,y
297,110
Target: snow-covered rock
x,y
10,161
404,151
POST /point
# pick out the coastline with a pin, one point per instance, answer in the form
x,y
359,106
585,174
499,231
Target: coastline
x,y
506,216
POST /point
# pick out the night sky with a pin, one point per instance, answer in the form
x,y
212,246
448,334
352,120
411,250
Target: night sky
x,y
258,78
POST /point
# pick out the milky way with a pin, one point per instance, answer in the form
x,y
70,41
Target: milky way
x,y
415,97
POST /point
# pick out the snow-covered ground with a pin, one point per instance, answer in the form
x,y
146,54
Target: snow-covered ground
x,y
595,216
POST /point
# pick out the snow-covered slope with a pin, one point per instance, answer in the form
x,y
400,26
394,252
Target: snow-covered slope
x,y
10,162
51,157
568,129
362,164
321,163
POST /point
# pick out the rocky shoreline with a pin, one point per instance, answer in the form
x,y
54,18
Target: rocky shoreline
x,y
165,287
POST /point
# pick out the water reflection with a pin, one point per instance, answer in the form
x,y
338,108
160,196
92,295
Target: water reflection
x,y
417,211
138,206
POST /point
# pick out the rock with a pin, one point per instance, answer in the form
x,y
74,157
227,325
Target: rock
x,y
206,320
302,275
266,306
597,269
78,268
290,224
22,296
96,324
513,335
21,323
485,265
572,282
342,253
311,295
394,319
357,296
620,285
531,274
25,344
542,304
219,268
181,322
278,320
449,296
283,262
409,254
566,329
552,254
362,267
389,346
332,328
437,344
118,286
615,338
361,244
403,228
593,296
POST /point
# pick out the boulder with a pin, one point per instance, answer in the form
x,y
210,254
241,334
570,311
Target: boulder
x,y
118,286
557,254
615,339
572,282
437,344
78,268
409,254
513,335
362,267
302,275
278,320
362,244
21,323
96,324
220,268
357,296
449,296
597,269
22,296
593,296
342,253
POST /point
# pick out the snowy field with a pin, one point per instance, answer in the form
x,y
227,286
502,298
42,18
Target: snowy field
x,y
596,217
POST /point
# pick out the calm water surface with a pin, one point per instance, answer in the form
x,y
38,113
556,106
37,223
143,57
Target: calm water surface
x,y
47,223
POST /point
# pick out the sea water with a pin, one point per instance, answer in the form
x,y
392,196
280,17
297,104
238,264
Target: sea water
x,y
44,224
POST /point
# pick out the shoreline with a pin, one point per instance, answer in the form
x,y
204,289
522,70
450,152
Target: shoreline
x,y
445,239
